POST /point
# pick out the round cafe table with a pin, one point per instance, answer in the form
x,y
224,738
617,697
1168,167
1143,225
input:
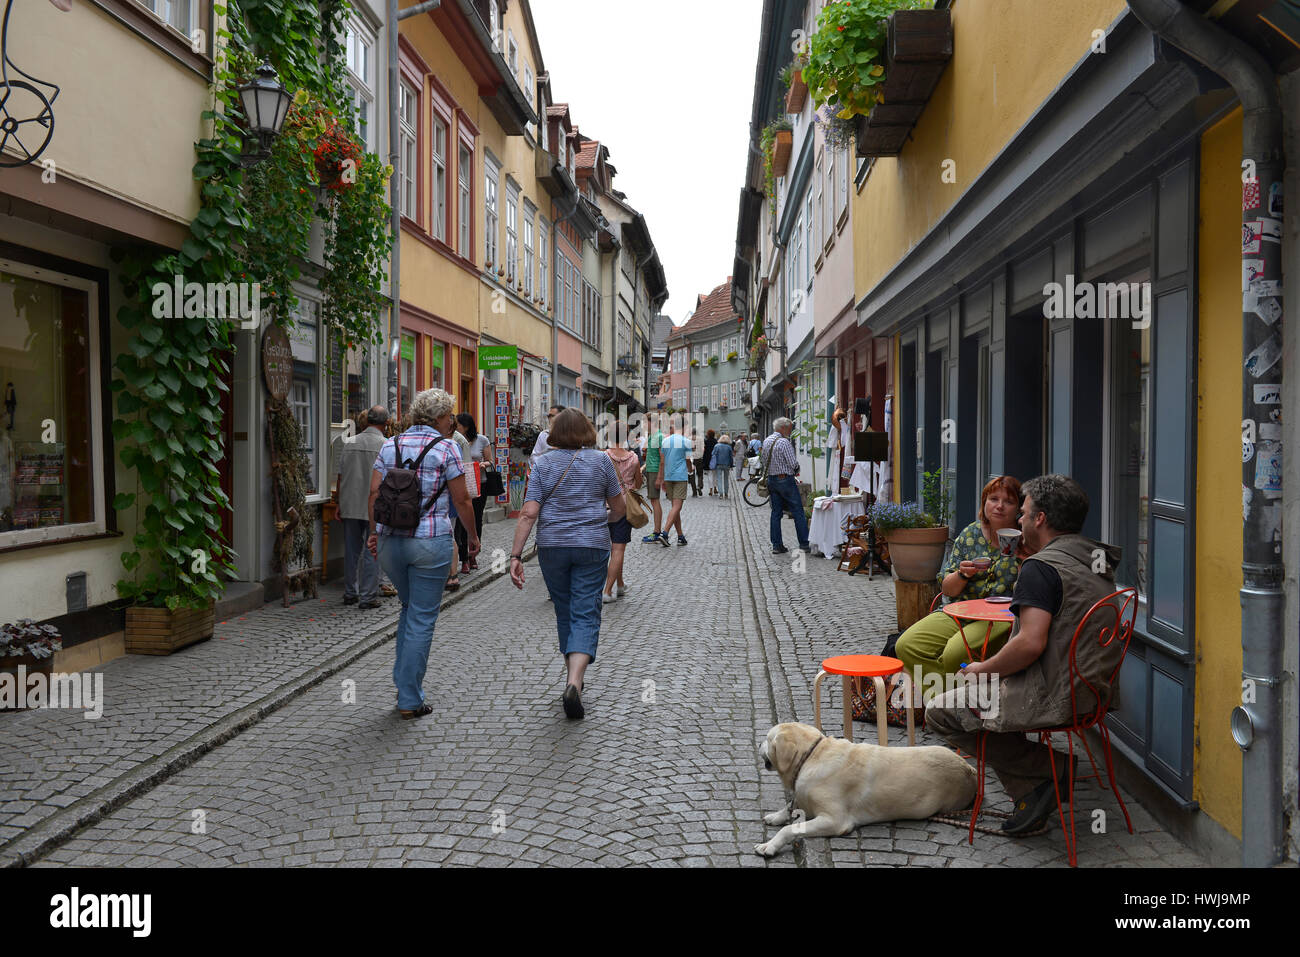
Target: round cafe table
x,y
978,609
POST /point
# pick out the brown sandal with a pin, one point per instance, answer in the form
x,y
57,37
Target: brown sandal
x,y
419,712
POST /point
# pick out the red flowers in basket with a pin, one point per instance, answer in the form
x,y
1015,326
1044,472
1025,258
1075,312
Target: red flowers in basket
x,y
338,157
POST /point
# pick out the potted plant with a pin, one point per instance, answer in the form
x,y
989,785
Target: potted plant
x,y
695,363
916,541
28,645
775,144
846,56
732,356
704,410
337,156
796,89
713,361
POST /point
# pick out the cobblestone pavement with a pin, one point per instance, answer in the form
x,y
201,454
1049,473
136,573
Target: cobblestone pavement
x,y
714,643
56,762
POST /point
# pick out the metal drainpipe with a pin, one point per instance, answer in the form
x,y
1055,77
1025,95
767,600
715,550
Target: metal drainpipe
x,y
395,190
1257,724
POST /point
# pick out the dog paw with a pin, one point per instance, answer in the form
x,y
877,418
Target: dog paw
x,y
776,818
766,850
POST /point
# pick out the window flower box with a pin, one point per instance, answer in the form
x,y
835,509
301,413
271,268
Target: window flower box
x,y
781,150
797,95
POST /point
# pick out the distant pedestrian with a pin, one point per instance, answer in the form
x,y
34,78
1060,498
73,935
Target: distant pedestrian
x,y
473,445
720,465
782,466
542,445
356,465
573,499
652,490
418,562
675,470
628,467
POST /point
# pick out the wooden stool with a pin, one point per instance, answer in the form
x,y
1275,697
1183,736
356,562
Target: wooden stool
x,y
877,668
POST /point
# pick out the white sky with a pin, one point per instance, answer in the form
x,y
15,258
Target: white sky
x,y
667,86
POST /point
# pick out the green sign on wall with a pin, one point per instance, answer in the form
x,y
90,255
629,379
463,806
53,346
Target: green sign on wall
x,y
498,357
408,348
437,355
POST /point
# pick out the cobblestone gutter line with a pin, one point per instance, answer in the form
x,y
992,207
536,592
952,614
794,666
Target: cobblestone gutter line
x,y
54,830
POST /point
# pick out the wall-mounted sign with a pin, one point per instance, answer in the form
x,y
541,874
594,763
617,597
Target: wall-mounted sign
x,y
408,348
277,361
498,357
437,355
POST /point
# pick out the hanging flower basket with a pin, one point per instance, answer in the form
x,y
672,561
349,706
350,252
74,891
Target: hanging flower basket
x,y
337,156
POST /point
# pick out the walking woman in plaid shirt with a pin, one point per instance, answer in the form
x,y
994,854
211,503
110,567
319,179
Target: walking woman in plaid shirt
x,y
418,562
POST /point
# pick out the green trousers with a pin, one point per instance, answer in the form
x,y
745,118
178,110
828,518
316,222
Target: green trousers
x,y
934,644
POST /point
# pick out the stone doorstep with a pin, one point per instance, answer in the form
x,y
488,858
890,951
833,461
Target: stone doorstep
x,y
55,829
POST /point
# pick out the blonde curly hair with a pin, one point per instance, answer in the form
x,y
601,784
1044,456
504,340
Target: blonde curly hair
x,y
430,405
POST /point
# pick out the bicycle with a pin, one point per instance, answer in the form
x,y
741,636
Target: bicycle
x,y
754,494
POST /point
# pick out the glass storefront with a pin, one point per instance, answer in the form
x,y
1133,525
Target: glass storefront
x,y
48,371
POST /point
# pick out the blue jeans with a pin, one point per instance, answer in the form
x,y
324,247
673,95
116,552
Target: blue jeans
x,y
418,568
720,478
360,569
784,493
575,578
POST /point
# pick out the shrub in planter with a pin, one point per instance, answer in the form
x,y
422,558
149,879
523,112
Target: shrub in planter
x,y
732,356
695,363
713,361
846,56
916,541
28,645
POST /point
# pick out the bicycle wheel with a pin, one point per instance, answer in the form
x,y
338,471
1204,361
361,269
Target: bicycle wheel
x,y
754,495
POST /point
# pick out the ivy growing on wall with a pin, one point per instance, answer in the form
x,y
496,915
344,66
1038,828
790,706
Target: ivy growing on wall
x,y
252,226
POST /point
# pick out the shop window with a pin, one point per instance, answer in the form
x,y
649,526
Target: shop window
x,y
406,372
438,378
50,481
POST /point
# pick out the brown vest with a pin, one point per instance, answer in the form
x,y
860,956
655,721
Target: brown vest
x,y
1039,696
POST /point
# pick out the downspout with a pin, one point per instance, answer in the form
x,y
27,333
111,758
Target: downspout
x,y
395,190
1256,724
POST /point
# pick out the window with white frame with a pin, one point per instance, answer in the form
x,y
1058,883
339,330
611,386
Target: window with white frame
x,y
808,246
512,230
306,341
494,14
491,182
543,261
820,212
842,187
530,91
439,142
360,46
512,54
181,14
408,125
530,216
464,197
796,261
695,397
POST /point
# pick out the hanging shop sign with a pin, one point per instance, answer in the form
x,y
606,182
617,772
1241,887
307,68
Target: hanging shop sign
x,y
498,357
277,362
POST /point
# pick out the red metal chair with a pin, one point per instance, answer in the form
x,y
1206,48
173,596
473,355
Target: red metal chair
x,y
1115,616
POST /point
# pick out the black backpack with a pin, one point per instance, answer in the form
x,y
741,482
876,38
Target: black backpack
x,y
397,507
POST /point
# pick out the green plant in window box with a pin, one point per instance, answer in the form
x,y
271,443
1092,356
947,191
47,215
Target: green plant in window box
x,y
846,56
732,356
767,145
713,361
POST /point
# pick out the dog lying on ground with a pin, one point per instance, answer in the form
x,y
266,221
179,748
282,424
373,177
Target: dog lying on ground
x,y
839,785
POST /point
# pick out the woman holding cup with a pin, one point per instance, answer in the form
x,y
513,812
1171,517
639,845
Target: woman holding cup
x,y
978,567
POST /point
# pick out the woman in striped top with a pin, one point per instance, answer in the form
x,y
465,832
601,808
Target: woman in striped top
x,y
568,495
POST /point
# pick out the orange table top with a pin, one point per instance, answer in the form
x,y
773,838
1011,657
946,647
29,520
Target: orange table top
x,y
979,609
862,666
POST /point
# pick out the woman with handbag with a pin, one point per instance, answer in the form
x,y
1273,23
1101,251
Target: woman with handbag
x,y
473,449
720,465
567,496
628,466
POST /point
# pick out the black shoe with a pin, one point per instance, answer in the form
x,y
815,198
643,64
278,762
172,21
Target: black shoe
x,y
663,540
350,601
373,603
1032,810
573,703
419,712
779,550
680,540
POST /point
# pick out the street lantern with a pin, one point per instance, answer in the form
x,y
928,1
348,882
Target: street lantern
x,y
266,104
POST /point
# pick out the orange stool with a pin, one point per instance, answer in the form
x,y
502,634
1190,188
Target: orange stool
x,y
875,667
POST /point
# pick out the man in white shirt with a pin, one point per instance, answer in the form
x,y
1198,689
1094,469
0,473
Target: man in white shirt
x,y
541,448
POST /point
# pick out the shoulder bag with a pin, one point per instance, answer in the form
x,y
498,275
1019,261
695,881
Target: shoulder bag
x,y
633,503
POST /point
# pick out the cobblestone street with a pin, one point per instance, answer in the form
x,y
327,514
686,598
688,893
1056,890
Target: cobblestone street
x,y
713,643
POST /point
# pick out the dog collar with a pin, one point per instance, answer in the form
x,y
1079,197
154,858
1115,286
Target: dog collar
x,y
794,781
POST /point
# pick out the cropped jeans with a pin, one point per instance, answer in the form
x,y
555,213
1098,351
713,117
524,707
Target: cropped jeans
x,y
418,568
575,578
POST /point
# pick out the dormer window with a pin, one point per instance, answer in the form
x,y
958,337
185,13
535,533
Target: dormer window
x,y
494,15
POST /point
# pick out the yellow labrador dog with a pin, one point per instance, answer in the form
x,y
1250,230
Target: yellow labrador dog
x,y
839,785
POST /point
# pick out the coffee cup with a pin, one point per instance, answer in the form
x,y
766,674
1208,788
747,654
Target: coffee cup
x,y
1008,540
982,564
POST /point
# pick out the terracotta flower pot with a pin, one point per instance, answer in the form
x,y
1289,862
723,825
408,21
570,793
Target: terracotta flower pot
x,y
917,553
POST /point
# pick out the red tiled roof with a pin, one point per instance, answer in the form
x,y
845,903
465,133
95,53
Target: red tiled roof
x,y
587,155
711,310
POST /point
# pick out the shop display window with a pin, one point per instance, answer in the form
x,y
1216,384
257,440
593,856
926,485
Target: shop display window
x,y
50,485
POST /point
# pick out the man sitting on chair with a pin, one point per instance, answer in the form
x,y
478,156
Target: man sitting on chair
x,y
1058,584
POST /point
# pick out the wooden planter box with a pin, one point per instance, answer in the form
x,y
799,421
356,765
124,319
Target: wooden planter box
x,y
10,665
781,151
158,631
919,48
797,95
